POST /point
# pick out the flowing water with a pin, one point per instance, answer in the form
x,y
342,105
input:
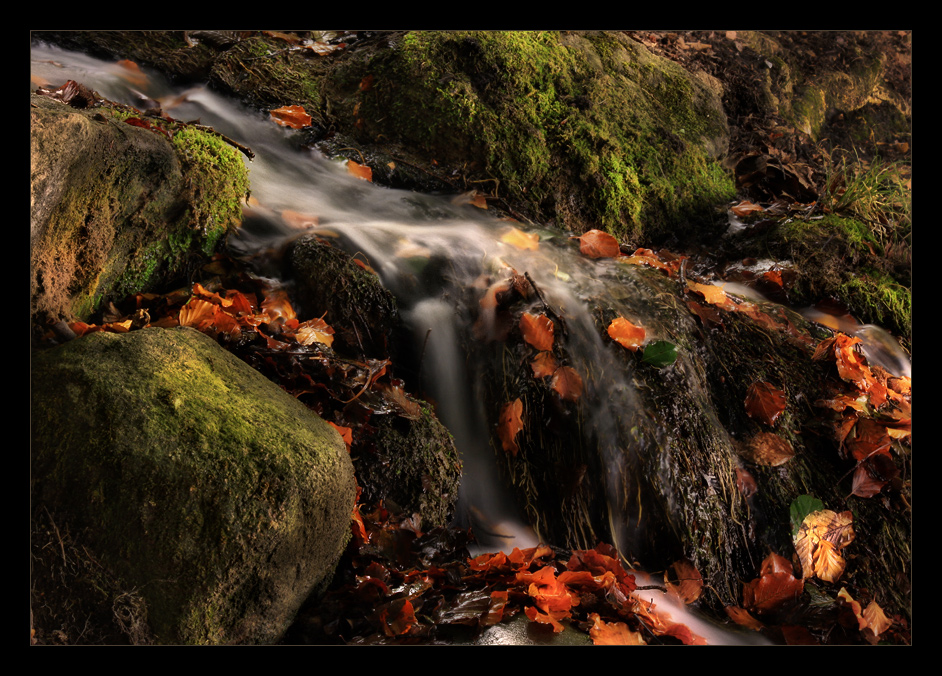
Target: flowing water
x,y
431,252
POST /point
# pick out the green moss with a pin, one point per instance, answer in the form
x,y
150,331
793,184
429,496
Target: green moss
x,y
219,181
587,131
880,298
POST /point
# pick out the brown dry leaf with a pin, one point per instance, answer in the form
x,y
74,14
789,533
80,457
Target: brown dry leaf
x,y
769,593
197,313
768,449
598,244
520,239
509,425
360,170
299,220
685,583
543,364
764,402
745,208
821,537
626,334
537,330
291,116
567,383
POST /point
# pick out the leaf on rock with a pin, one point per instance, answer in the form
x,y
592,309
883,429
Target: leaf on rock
x,y
712,294
314,331
626,334
742,617
537,330
770,593
543,364
866,485
820,539
360,170
598,244
660,353
768,449
765,402
567,383
509,425
291,116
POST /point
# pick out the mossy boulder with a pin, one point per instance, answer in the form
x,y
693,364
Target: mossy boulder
x,y
117,209
328,283
218,497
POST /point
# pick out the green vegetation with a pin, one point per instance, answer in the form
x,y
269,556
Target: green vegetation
x,y
588,132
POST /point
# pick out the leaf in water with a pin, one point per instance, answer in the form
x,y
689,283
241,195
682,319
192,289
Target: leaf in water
x,y
537,330
660,353
626,334
567,383
291,116
742,617
712,294
764,402
509,424
131,73
360,170
598,244
520,239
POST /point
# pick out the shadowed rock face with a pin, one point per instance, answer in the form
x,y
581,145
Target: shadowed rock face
x,y
218,496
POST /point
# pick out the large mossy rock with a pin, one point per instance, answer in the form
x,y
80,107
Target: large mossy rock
x,y
117,209
219,497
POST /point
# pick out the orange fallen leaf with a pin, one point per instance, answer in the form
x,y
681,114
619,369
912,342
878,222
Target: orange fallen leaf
x,y
598,244
291,116
543,364
520,239
509,425
819,541
360,170
764,402
346,433
567,383
625,333
612,633
537,330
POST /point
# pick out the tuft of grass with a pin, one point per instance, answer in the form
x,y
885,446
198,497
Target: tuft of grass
x,y
875,192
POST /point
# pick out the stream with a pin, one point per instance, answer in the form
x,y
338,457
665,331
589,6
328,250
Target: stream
x,y
431,251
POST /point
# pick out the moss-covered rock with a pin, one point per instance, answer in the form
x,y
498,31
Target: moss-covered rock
x,y
118,209
329,284
219,498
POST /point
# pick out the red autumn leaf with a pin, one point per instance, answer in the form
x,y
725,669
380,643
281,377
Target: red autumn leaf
x,y
543,364
397,617
742,617
509,425
598,244
366,83
771,592
776,563
345,433
865,485
567,383
537,330
360,170
765,402
626,334
291,116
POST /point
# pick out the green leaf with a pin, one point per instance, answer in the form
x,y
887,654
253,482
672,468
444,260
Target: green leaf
x,y
660,353
801,507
